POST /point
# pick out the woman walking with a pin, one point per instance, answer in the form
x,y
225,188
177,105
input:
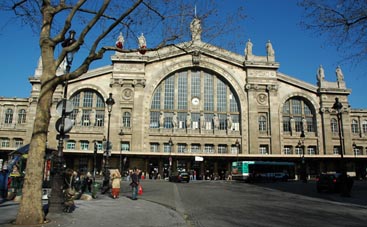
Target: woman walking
x,y
116,180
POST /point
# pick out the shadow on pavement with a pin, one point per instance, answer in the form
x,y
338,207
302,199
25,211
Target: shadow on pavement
x,y
358,193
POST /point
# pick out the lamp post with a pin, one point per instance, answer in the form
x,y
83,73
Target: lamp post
x,y
355,149
238,148
110,102
170,157
301,143
338,106
121,133
57,198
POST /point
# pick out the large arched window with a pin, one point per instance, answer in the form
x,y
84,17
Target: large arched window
x,y
194,99
89,108
302,113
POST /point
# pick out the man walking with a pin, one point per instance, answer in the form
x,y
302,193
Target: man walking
x,y
134,184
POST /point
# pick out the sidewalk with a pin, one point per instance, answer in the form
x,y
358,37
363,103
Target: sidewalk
x,y
104,211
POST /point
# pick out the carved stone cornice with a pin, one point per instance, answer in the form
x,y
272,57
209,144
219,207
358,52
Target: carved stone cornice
x,y
139,83
127,82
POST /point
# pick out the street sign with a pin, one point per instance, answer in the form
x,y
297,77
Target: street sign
x,y
68,108
67,126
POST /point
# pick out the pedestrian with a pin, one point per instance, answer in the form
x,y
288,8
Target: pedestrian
x,y
116,180
134,184
89,182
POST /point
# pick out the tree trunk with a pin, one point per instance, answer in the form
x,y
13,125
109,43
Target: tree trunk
x,y
30,209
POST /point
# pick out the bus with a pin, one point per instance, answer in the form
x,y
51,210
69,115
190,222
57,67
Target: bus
x,y
261,171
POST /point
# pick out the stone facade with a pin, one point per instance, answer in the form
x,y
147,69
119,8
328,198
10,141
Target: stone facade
x,y
177,94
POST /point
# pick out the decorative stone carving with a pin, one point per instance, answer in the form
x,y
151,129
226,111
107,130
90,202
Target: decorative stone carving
x,y
196,57
195,28
269,49
248,49
139,82
339,74
127,93
320,74
261,98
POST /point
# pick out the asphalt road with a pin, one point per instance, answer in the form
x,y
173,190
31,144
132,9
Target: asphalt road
x,y
220,203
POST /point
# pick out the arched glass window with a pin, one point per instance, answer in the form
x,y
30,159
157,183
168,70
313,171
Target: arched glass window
x,y
355,128
334,125
89,108
22,116
302,112
195,97
126,120
8,116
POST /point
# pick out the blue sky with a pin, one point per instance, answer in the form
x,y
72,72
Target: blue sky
x,y
299,52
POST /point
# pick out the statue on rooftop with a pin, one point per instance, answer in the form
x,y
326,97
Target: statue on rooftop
x,y
269,49
248,49
196,29
320,74
339,74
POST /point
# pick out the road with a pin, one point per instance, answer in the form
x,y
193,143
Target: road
x,y
220,203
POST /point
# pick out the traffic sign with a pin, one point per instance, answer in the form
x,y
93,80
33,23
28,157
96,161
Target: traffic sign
x,y
69,107
67,126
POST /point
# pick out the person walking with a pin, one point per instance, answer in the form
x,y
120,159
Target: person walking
x,y
134,184
116,181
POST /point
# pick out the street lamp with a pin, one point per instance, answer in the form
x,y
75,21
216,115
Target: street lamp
x,y
110,102
301,143
338,106
170,157
355,149
238,148
57,198
121,133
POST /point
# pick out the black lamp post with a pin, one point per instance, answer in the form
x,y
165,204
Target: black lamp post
x,y
121,133
303,163
170,157
355,150
238,148
57,198
338,106
110,102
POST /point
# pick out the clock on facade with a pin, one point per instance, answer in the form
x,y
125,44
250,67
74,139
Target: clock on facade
x,y
195,101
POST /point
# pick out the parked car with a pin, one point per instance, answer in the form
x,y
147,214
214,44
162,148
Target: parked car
x,y
180,177
332,182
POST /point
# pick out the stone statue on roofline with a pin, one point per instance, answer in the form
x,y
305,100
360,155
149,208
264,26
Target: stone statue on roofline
x,y
269,49
339,74
248,49
320,74
196,29
120,41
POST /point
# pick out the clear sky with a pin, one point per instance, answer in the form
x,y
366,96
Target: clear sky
x,y
299,52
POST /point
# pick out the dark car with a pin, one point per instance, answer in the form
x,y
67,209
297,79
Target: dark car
x,y
332,182
180,177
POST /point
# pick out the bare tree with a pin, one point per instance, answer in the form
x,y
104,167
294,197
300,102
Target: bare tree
x,y
343,22
97,24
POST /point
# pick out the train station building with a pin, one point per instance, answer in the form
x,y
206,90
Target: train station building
x,y
195,106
